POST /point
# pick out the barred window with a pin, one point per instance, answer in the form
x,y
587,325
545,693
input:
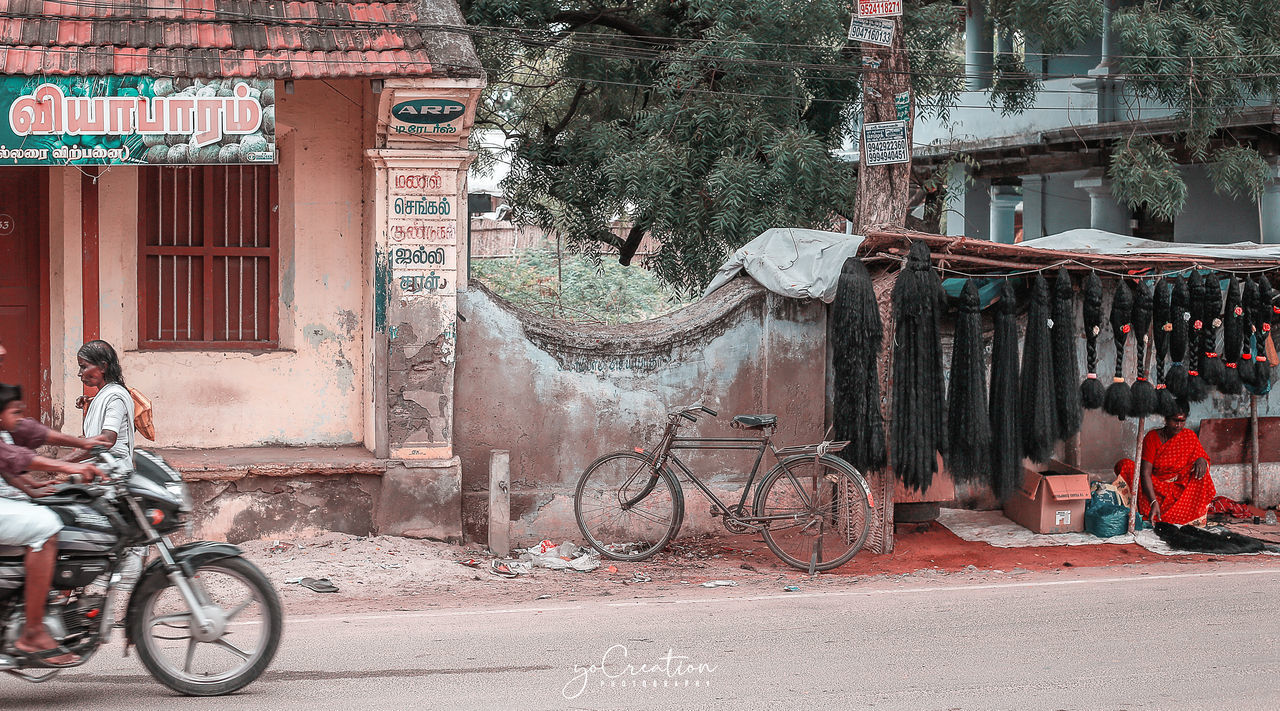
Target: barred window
x,y
207,253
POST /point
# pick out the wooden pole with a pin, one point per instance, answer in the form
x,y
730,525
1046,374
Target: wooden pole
x,y
1253,449
1137,475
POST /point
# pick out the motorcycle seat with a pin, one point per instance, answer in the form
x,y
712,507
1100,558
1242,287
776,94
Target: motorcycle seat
x,y
67,494
755,422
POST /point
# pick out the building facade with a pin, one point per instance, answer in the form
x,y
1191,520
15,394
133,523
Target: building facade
x,y
1042,171
264,215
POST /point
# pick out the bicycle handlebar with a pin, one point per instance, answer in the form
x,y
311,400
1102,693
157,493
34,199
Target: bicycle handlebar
x,y
686,412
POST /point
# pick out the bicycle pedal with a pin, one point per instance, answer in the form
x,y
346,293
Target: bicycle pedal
x,y
715,511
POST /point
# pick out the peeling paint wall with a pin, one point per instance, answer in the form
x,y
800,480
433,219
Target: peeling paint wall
x,y
310,390
560,395
260,507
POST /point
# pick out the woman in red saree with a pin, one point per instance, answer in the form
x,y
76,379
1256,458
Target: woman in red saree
x,y
1176,486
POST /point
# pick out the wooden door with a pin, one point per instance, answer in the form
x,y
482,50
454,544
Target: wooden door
x,y
20,280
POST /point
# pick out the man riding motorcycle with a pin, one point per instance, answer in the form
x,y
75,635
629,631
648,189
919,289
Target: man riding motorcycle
x,y
26,524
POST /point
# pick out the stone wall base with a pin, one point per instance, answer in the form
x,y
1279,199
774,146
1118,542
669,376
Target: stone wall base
x,y
421,499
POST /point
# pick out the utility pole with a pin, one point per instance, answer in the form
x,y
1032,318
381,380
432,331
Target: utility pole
x,y
884,190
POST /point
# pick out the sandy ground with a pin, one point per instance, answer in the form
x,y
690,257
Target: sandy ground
x,y
390,573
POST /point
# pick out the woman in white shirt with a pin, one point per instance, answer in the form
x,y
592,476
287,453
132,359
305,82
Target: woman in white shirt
x,y
110,412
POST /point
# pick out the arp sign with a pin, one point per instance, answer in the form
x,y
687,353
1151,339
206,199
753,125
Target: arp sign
x,y
428,111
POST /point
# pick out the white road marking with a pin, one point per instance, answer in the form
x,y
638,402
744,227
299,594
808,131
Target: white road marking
x,y
776,596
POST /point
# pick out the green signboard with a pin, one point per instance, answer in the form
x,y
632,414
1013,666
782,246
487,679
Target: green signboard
x,y
130,120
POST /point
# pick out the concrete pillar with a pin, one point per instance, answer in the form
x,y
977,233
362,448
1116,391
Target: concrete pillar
x,y
1269,207
978,39
1004,203
1032,206
500,502
1104,212
968,205
957,187
417,213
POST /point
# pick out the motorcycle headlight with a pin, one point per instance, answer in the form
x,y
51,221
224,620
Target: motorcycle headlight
x,y
179,491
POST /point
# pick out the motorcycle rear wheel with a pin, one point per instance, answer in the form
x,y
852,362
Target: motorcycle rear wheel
x,y
164,619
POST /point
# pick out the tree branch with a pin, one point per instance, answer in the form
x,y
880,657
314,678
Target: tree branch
x,y
552,133
606,18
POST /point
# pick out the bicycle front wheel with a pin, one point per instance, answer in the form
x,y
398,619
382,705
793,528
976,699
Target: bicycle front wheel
x,y
626,508
816,511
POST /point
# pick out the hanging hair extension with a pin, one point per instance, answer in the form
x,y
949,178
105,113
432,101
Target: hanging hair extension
x,y
1197,388
1180,318
969,457
1091,389
1232,339
1118,397
1161,328
1142,396
1262,325
1066,364
918,427
1036,403
856,334
1212,368
1249,304
1006,444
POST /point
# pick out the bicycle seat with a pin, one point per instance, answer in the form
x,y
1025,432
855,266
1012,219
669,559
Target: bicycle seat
x,y
755,422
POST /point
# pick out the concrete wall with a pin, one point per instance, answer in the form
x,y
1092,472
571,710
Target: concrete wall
x,y
559,395
1212,218
309,391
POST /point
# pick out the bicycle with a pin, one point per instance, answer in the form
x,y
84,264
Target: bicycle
x,y
812,508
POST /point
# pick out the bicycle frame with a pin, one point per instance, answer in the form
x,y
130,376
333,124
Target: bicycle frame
x,y
672,441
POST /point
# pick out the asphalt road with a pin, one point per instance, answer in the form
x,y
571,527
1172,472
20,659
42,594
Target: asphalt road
x,y
1135,640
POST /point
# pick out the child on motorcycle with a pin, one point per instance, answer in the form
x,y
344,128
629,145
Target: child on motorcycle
x,y
34,527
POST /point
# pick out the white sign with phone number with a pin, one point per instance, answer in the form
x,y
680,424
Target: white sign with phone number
x,y
885,143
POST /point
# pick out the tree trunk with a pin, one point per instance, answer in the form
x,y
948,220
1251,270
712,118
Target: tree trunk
x,y
884,190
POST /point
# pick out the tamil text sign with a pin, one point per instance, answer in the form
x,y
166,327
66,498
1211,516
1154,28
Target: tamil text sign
x,y
872,30
884,143
136,120
879,8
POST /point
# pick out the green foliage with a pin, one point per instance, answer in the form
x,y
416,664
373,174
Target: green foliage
x,y
590,289
1239,172
1013,86
693,119
1208,58
1143,172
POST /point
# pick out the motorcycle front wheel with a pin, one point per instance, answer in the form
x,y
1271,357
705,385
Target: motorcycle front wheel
x,y
247,622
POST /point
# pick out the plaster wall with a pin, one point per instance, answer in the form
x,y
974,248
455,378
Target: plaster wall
x,y
1211,218
557,396
310,389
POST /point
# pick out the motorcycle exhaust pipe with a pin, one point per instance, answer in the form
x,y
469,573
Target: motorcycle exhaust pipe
x,y
7,662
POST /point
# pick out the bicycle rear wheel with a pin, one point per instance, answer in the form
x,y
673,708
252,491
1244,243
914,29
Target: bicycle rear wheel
x,y
625,508
816,511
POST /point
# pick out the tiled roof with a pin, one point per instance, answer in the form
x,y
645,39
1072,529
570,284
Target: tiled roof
x,y
247,38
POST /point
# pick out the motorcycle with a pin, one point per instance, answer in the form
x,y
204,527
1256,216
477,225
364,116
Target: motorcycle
x,y
205,621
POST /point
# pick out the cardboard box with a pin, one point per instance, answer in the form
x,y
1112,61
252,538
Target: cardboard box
x,y
1049,501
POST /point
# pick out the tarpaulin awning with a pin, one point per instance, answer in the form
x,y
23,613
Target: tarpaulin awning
x,y
802,264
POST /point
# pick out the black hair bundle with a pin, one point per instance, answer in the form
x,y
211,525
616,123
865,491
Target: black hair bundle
x,y
1006,442
1037,405
1180,322
1247,366
969,456
1197,387
918,427
1232,339
1118,398
1212,368
1161,328
1066,364
1142,396
856,335
1262,322
1091,389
